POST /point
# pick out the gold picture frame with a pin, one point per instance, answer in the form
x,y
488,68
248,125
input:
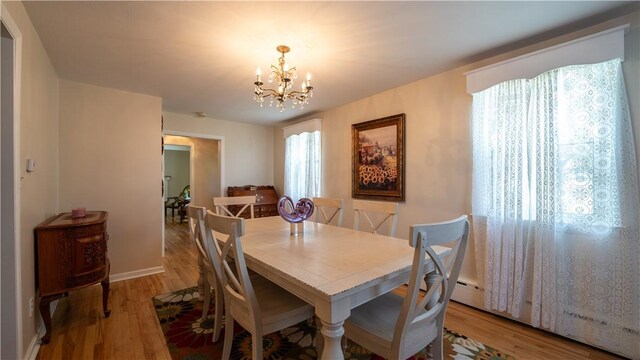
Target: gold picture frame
x,y
378,159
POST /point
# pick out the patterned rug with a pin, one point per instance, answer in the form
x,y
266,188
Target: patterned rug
x,y
188,337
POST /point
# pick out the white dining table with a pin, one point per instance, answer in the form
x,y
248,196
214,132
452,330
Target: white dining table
x,y
332,268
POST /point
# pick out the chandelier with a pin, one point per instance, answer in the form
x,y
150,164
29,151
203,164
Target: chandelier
x,y
283,75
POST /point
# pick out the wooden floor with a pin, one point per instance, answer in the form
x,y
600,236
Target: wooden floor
x,y
80,331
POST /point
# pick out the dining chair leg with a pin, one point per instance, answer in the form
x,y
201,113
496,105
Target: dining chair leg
x,y
436,344
256,346
207,299
219,305
228,336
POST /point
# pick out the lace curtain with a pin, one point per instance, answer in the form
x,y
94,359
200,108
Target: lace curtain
x,y
555,203
302,165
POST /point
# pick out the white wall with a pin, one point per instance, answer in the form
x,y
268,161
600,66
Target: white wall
x,y
110,159
39,141
437,152
248,149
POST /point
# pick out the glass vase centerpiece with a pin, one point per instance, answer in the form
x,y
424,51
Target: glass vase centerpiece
x,y
295,214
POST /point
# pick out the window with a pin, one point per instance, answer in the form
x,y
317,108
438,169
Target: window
x,y
555,192
555,180
302,169
546,148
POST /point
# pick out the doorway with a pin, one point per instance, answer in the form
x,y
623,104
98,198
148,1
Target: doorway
x,y
10,331
177,180
206,170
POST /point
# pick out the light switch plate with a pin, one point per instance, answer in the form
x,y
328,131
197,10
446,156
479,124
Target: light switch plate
x,y
31,165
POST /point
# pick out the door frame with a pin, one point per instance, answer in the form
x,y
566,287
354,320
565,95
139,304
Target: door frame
x,y
15,313
221,158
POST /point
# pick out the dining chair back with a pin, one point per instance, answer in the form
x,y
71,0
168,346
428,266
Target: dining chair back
x,y
328,209
209,279
222,205
376,214
258,305
396,327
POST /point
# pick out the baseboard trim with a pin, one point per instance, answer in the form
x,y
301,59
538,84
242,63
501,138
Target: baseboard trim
x,y
136,274
34,345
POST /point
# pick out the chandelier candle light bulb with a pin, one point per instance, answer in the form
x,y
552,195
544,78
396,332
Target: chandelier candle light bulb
x,y
283,74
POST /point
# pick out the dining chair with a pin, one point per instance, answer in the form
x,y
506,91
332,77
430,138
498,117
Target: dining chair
x,y
258,305
196,216
397,328
222,205
376,213
329,208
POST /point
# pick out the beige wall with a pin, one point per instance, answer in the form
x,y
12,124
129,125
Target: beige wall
x,y
206,168
248,149
39,141
438,138
176,165
110,159
437,152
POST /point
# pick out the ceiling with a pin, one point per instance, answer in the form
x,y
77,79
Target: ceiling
x,y
202,56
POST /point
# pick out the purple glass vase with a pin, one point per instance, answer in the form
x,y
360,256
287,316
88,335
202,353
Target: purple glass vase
x,y
302,210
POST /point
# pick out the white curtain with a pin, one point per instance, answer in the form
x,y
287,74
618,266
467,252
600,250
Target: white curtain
x,y
302,165
555,203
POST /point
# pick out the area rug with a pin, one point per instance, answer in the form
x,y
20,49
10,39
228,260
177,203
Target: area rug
x,y
190,338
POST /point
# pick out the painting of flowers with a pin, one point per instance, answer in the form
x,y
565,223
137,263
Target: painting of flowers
x,y
378,158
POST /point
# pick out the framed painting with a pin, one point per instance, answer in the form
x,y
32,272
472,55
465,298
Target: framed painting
x,y
378,159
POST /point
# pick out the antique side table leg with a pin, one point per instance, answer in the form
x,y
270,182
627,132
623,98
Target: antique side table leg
x,y
45,312
105,297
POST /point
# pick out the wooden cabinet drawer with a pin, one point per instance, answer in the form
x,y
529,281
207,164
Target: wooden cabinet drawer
x,y
86,278
84,231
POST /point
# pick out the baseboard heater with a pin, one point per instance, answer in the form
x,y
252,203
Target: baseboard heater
x,y
468,293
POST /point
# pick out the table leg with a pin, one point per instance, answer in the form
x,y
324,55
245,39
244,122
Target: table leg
x,y
429,279
105,297
45,312
332,334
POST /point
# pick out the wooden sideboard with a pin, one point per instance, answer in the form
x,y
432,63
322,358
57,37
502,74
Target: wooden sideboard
x,y
266,199
71,254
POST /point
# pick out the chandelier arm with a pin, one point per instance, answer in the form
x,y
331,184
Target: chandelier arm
x,y
298,92
268,92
